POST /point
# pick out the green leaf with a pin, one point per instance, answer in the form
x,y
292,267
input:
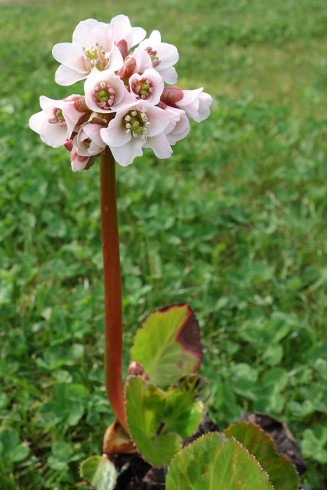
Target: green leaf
x,y
281,471
158,420
19,453
11,450
99,472
215,462
168,345
277,378
314,443
273,354
68,404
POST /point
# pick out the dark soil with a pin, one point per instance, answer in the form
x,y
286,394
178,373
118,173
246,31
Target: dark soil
x,y
136,474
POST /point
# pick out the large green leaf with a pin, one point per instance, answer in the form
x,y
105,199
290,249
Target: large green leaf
x,y
159,420
168,345
99,472
281,471
215,462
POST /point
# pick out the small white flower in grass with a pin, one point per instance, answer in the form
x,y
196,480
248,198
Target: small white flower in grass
x,y
195,103
58,119
126,36
106,92
140,125
163,56
148,86
93,48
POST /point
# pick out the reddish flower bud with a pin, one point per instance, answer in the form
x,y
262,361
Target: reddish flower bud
x,y
123,47
171,95
127,69
137,369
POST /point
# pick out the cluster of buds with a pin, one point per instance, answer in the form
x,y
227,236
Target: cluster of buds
x,y
129,102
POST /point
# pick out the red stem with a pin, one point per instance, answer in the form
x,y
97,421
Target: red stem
x,y
112,281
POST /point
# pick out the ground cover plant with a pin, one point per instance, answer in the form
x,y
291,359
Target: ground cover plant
x,y
243,245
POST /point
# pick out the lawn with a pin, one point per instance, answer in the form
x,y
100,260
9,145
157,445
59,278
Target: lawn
x,y
233,224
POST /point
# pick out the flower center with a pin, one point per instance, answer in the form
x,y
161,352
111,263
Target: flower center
x,y
104,95
153,56
142,88
95,57
136,123
57,117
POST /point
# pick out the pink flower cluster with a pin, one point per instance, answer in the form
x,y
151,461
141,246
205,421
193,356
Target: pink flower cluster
x,y
126,104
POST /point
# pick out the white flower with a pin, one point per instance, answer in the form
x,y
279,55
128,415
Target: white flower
x,y
79,162
106,92
93,48
88,141
140,125
163,56
126,36
57,120
148,86
179,127
195,103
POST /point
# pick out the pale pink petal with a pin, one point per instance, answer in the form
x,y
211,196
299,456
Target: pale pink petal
x,y
69,55
124,31
92,130
114,135
160,145
158,118
169,75
168,55
56,137
138,35
66,76
204,106
116,59
154,38
89,32
124,155
72,117
190,96
37,121
180,126
78,162
143,60
47,103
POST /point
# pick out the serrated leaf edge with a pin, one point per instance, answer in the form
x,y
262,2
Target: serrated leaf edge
x,y
250,455
164,309
103,457
125,404
270,440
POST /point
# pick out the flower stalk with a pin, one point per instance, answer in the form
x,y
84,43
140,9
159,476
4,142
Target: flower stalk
x,y
112,283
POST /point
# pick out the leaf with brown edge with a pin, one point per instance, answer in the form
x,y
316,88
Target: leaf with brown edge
x,y
280,469
116,440
168,345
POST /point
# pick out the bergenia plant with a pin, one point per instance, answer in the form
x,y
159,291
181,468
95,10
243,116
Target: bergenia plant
x,y
130,102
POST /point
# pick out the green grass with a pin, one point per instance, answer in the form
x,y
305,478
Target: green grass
x,y
233,224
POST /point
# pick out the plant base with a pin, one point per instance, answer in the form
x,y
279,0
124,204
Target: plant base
x,y
136,474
